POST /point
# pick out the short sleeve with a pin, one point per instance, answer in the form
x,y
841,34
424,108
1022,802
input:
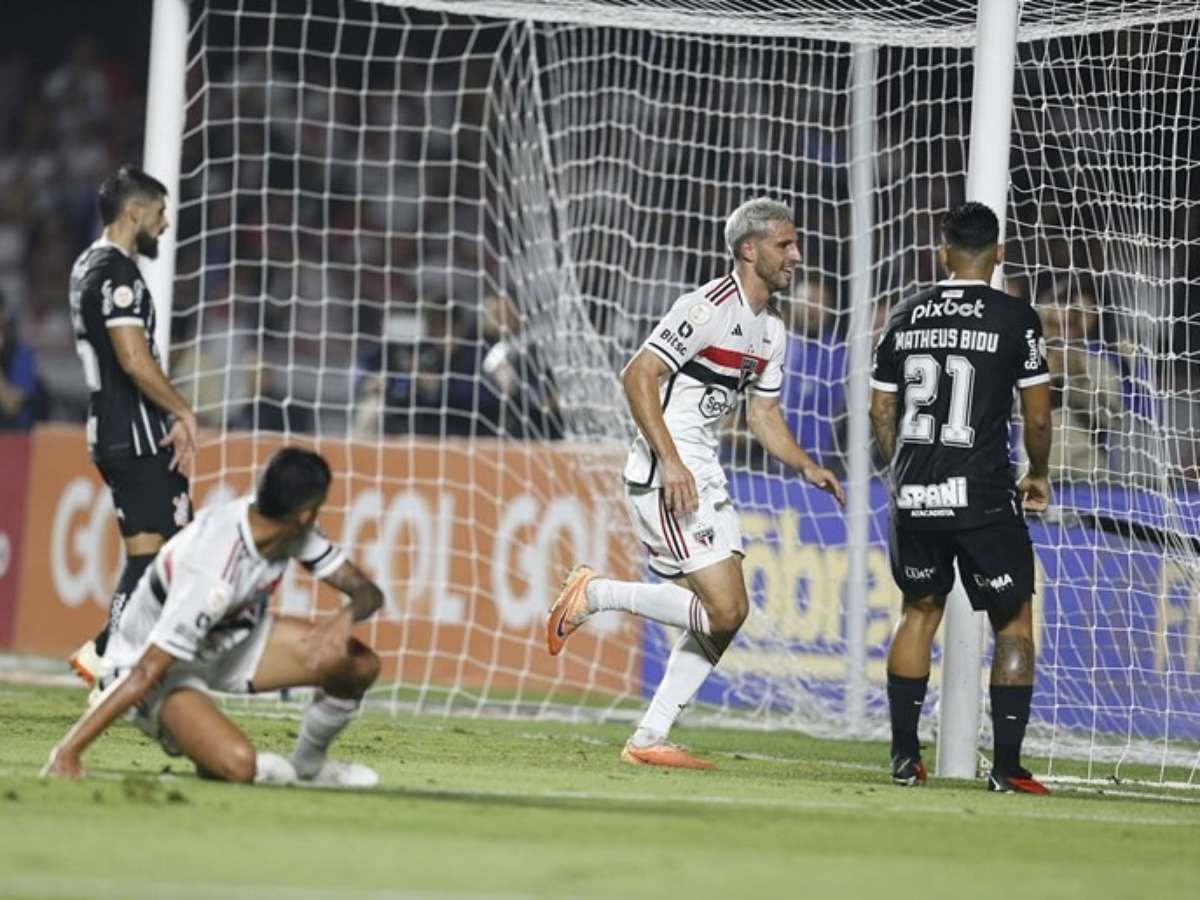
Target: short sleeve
x,y
689,326
123,297
320,555
883,367
770,383
1031,367
195,602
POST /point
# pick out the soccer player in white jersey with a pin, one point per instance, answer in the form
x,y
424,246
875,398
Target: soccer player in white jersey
x,y
716,343
198,621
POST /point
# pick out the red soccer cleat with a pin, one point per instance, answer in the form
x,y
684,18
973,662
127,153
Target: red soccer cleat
x,y
1018,781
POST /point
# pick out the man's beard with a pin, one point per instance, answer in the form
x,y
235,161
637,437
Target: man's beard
x,y
146,245
776,280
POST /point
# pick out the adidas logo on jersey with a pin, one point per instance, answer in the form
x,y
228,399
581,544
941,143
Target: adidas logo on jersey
x,y
933,309
737,329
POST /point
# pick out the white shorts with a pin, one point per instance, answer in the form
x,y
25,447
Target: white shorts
x,y
681,544
230,673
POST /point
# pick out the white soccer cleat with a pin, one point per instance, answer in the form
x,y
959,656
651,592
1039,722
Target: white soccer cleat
x,y
271,768
343,774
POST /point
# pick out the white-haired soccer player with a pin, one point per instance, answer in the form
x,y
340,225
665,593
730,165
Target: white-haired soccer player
x,y
198,621
717,343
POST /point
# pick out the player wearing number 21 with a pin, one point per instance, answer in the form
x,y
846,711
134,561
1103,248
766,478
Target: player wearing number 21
x,y
714,345
942,397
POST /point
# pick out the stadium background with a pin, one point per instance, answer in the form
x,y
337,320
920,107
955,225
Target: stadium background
x,y
62,550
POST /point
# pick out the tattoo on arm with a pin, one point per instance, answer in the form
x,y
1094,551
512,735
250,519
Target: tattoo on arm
x,y
365,596
883,424
1012,663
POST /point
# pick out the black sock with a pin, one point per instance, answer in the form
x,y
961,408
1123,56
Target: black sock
x,y
1010,712
130,575
905,697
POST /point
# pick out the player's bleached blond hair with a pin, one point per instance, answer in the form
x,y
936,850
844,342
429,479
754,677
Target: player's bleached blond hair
x,y
753,219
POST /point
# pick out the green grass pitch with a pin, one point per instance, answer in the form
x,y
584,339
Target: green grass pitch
x,y
480,808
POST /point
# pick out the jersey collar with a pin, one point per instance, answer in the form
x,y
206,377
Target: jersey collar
x,y
243,527
102,241
953,282
737,282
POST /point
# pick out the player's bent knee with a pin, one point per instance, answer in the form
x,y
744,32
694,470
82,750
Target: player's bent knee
x,y
355,672
368,664
727,621
235,764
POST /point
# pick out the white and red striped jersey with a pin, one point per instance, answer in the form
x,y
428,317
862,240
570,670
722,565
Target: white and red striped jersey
x,y
208,587
717,349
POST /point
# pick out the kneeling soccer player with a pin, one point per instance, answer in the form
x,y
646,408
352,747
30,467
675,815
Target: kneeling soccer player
x,y
198,621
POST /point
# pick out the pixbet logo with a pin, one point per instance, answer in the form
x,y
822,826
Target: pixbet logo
x,y
934,309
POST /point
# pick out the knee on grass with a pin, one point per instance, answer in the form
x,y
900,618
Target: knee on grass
x,y
235,764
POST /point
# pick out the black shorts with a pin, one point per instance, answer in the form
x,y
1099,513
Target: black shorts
x,y
995,562
147,495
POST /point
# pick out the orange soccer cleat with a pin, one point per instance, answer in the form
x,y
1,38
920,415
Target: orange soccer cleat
x,y
570,608
663,753
86,663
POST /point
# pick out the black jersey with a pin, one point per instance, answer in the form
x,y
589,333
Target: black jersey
x,y
107,290
954,354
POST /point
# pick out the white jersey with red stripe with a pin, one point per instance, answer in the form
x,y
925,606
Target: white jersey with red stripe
x,y
209,587
717,350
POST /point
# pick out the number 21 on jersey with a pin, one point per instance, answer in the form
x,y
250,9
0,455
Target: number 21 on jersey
x,y
922,375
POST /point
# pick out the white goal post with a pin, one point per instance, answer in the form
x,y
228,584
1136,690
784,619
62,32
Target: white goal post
x,y
423,237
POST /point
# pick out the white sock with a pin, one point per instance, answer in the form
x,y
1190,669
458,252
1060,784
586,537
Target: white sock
x,y
687,667
271,768
665,603
323,720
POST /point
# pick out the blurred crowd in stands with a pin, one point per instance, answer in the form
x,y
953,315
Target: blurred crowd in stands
x,y
331,275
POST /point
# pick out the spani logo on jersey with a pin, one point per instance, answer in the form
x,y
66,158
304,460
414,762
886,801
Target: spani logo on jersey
x,y
933,500
934,309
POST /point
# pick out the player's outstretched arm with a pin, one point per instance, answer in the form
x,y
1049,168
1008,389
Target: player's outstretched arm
x,y
133,355
770,430
1035,412
327,642
640,380
64,761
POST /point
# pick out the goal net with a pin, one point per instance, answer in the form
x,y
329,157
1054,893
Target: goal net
x,y
425,237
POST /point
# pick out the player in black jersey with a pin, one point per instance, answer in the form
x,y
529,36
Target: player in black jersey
x,y
140,433
945,371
